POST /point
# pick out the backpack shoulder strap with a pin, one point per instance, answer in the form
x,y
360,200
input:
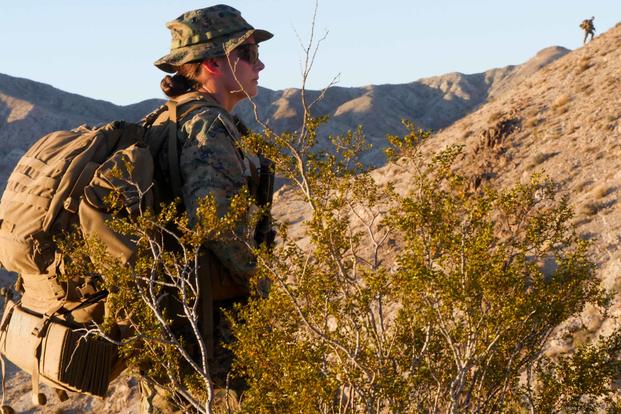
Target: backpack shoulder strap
x,y
163,124
173,153
196,96
190,102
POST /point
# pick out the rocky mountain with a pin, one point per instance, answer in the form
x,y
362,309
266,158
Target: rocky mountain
x,y
431,103
565,122
30,109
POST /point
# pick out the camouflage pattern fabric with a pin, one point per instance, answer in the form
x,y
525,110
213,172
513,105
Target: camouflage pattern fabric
x,y
207,33
211,164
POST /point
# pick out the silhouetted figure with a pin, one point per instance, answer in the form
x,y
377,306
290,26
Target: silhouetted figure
x,y
588,27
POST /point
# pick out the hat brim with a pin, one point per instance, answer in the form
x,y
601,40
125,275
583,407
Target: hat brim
x,y
219,47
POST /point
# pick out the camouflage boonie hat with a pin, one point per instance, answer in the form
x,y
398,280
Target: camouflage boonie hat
x,y
206,33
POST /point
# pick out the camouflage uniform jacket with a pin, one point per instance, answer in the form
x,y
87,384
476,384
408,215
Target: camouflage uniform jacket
x,y
210,162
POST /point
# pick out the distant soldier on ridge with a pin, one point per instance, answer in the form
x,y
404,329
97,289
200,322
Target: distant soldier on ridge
x,y
588,27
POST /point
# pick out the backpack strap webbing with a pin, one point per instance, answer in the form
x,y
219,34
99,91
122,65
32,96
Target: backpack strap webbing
x,y
38,398
150,118
173,153
3,367
39,331
196,100
6,295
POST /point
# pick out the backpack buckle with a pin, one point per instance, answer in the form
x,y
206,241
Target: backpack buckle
x,y
88,288
71,205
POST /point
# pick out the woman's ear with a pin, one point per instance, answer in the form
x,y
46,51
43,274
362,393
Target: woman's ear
x,y
212,66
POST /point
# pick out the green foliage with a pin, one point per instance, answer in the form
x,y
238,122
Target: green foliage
x,y
436,300
576,382
154,310
408,145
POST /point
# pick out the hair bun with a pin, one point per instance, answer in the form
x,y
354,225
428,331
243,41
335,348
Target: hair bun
x,y
175,85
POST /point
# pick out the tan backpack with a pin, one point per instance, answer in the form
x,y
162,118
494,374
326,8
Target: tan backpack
x,y
587,25
61,181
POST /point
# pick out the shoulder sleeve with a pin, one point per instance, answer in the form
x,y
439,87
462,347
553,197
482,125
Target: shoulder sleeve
x,y
211,163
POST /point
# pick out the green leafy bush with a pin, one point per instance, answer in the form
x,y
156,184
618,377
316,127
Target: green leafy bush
x,y
435,299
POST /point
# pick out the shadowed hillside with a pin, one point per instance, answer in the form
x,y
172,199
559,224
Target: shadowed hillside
x,y
28,110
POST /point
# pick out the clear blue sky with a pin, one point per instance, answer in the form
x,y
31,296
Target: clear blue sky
x,y
105,49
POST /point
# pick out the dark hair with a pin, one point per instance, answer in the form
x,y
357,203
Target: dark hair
x,y
186,79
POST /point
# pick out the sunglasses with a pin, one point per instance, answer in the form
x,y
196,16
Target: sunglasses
x,y
248,52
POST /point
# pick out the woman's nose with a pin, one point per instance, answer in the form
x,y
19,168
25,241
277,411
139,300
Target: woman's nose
x,y
259,66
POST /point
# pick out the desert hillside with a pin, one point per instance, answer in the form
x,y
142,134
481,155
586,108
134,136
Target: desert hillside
x,y
29,109
563,120
432,103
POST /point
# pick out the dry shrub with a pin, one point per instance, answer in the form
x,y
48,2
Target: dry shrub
x,y
533,121
495,116
583,65
591,208
609,123
583,337
541,158
560,104
602,191
583,186
467,134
